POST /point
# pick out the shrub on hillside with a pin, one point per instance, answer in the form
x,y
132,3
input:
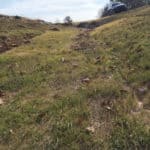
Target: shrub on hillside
x,y
131,4
17,17
68,20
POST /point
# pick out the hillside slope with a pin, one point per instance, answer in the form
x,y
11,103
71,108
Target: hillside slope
x,y
16,30
104,20
78,89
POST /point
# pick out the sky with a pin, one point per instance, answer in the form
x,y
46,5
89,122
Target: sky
x,y
53,10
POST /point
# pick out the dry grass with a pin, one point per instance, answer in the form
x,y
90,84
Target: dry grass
x,y
52,92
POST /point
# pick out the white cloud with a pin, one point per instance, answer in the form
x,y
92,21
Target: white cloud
x,y
51,10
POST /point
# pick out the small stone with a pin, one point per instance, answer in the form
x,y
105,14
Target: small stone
x,y
63,59
110,77
1,101
75,65
11,131
108,108
142,90
138,108
139,105
90,129
14,45
86,80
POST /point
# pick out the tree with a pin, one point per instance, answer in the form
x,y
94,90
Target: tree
x,y
131,4
68,20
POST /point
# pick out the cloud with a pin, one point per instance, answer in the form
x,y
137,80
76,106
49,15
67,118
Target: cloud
x,y
51,10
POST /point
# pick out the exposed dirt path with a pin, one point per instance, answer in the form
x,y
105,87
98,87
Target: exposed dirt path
x,y
83,42
100,110
101,120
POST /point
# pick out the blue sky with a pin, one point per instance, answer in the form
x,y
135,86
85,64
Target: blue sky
x,y
52,10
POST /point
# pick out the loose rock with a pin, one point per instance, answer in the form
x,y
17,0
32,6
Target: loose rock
x,y
139,106
63,59
86,80
90,129
75,65
142,90
108,108
1,101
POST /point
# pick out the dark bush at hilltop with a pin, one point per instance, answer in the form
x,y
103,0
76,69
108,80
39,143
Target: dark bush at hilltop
x,y
17,17
131,4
